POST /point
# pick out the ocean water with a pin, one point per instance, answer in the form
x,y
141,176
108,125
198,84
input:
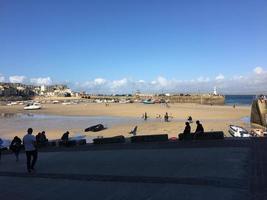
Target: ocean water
x,y
239,99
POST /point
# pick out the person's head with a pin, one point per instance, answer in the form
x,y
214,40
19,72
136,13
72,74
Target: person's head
x,y
29,131
16,137
187,123
67,132
197,122
43,132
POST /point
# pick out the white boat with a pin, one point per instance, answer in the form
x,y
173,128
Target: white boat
x,y
237,131
34,106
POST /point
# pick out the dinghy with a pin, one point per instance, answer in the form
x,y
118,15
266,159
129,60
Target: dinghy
x,y
96,128
237,131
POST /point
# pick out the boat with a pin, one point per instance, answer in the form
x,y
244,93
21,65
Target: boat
x,y
238,131
95,128
149,101
34,106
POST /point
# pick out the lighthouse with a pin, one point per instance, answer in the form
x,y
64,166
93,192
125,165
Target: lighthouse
x,y
215,91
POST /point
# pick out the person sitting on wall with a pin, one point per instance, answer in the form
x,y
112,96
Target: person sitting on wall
x,y
43,139
187,129
65,138
200,129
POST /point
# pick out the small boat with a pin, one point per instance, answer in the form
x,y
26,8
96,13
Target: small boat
x,y
149,101
34,106
96,128
237,131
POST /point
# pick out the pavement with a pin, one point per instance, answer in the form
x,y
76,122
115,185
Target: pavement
x,y
227,169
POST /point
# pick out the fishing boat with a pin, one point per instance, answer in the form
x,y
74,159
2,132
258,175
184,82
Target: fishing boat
x,y
33,106
238,131
149,101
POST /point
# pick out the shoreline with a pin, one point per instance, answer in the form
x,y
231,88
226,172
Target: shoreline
x,y
215,118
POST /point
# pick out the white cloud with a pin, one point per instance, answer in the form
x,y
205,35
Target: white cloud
x,y
239,84
203,79
119,83
259,70
41,81
99,81
220,77
2,78
17,79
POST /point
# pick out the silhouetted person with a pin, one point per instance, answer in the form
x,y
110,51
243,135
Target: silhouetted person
x,y
1,142
38,138
190,119
43,139
29,142
187,129
145,116
65,138
15,146
200,128
166,117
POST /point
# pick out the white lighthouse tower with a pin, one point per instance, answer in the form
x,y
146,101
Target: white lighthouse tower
x,y
215,91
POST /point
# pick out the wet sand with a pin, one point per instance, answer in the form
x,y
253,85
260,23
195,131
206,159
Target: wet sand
x,y
216,118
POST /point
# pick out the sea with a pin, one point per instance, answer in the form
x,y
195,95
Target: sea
x,y
242,100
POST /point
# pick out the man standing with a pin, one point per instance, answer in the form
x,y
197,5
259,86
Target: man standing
x,y
29,142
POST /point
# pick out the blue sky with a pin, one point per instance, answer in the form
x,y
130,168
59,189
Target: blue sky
x,y
105,42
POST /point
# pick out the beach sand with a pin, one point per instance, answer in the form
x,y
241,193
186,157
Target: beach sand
x,y
216,118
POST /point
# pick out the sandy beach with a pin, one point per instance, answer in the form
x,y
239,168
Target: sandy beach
x,y
216,118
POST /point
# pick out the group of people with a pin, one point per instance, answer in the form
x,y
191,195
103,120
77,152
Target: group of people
x,y
199,129
166,116
41,138
30,143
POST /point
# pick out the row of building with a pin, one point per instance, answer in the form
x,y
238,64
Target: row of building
x,y
18,89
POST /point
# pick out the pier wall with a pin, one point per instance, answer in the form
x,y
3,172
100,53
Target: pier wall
x,y
199,99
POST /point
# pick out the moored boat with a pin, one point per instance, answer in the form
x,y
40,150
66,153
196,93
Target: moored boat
x,y
34,106
238,131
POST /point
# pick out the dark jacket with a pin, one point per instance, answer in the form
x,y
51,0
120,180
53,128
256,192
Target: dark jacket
x,y
199,129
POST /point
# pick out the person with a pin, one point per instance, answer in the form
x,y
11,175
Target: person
x,y
15,146
166,117
65,138
38,138
190,119
199,129
145,116
29,142
43,139
1,142
187,129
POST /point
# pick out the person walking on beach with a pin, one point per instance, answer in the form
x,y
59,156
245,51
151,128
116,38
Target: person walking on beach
x,y
29,142
15,146
200,128
145,116
166,117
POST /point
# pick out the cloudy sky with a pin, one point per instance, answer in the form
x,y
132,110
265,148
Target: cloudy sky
x,y
110,46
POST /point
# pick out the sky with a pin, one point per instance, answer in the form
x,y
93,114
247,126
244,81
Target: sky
x,y
120,46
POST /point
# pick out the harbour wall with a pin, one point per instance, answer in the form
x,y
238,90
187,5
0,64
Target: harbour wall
x,y
198,99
